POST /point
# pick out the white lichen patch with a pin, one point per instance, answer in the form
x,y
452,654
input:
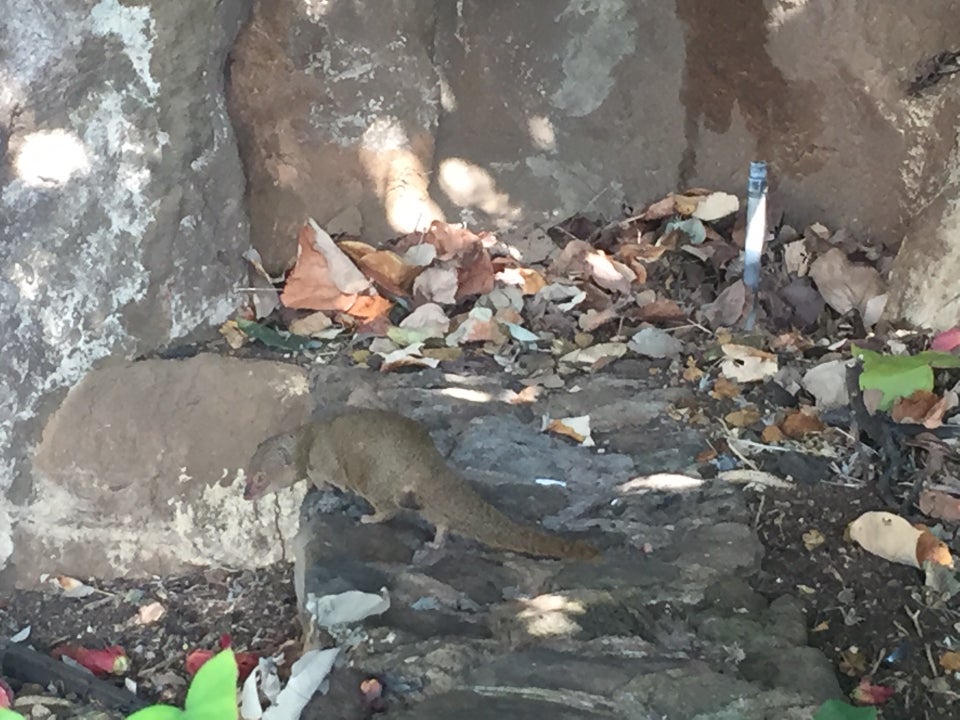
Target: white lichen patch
x,y
134,27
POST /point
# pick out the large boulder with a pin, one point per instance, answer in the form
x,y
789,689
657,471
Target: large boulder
x,y
138,471
522,113
121,195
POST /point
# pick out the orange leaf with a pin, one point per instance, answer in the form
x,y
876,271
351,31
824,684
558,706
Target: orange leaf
x,y
390,271
310,285
798,424
368,307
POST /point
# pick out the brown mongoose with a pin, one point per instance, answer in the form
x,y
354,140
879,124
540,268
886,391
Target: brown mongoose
x,y
391,461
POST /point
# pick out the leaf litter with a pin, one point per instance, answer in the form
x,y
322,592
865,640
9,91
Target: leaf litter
x,y
662,288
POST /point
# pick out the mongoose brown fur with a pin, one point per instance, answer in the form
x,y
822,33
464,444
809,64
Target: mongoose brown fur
x,y
391,461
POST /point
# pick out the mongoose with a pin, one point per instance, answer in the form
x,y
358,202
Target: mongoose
x,y
391,461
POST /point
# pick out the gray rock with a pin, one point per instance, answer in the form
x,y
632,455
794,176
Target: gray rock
x,y
121,196
137,471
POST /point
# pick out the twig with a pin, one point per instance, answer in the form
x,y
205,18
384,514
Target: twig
x,y
915,617
756,518
933,666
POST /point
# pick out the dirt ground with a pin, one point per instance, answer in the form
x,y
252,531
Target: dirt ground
x,y
864,613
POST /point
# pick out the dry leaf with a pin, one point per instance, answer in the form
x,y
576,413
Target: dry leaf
x,y
813,539
324,278
660,311
706,455
407,357
950,661
893,538
716,205
728,308
438,285
940,505
475,276
149,614
691,373
923,407
844,285
528,395
746,364
310,325
477,326
592,319
799,424
368,307
232,333
772,434
607,274
429,315
577,428
596,353
527,279
724,388
662,208
389,271
744,417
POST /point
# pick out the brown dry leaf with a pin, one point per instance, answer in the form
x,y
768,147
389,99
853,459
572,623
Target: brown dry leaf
x,y
940,505
932,548
853,663
705,456
477,326
528,280
368,307
476,275
437,285
845,286
577,428
772,434
409,356
747,364
691,373
893,538
608,275
324,278
659,210
389,271
950,661
744,417
724,388
660,311
791,341
799,424
149,614
730,305
813,539
443,354
232,333
641,253
572,260
450,240
592,319
356,249
923,407
685,205
311,324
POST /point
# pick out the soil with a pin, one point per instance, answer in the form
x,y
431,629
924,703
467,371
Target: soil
x,y
867,615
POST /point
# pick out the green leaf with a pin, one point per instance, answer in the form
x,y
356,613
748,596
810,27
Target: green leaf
x,y
897,376
839,710
7,714
275,338
156,712
213,693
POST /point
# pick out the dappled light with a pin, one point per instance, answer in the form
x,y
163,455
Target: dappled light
x,y
551,615
542,133
470,186
398,175
783,13
51,157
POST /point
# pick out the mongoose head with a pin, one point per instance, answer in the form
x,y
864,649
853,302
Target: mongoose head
x,y
271,468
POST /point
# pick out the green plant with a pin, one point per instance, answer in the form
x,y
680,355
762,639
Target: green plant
x,y
212,695
839,710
